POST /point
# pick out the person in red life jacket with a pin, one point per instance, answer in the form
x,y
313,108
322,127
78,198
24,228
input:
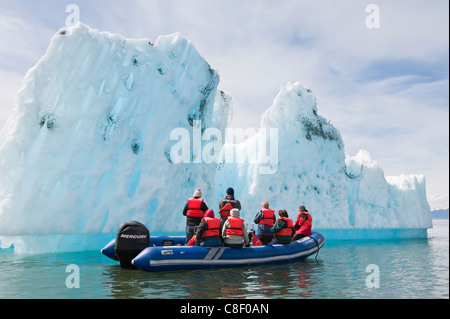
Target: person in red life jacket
x,y
265,219
234,232
303,224
208,234
282,229
194,210
226,205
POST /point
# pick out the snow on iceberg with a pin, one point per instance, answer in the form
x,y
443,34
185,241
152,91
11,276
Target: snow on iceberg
x,y
98,137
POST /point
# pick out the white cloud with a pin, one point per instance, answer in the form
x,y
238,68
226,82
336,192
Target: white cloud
x,y
9,83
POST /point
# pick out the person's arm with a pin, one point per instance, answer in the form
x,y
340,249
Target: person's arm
x,y
300,220
258,217
279,225
224,229
201,228
204,207
186,208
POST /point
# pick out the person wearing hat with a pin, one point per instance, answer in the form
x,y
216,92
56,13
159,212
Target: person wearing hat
x,y
208,234
303,224
234,232
226,205
194,210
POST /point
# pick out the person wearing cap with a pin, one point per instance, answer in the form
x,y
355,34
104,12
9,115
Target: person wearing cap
x,y
229,199
303,224
226,205
234,232
194,210
208,234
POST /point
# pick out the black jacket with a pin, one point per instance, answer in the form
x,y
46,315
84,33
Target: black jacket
x,y
194,221
201,228
230,199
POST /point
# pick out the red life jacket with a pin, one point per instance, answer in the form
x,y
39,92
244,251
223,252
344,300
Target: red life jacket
x,y
256,241
225,210
194,208
268,217
192,241
213,227
235,226
287,231
305,227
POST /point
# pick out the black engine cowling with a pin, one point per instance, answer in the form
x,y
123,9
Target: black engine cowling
x,y
131,239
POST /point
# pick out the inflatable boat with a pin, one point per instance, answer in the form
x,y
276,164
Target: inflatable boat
x,y
162,253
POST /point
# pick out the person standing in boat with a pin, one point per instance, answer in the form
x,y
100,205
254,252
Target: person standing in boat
x,y
226,205
234,232
265,219
303,224
194,210
208,233
282,229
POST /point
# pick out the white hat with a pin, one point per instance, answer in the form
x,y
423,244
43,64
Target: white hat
x,y
197,193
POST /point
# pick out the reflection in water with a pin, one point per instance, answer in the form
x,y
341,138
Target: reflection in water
x,y
289,280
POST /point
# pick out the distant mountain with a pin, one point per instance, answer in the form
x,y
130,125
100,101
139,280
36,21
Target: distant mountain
x,y
440,214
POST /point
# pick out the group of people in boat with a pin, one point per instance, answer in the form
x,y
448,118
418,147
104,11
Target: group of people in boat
x,y
204,229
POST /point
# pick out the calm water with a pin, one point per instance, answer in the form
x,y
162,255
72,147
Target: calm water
x,y
417,268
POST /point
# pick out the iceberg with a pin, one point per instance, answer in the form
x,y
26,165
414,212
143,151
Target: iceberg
x,y
107,129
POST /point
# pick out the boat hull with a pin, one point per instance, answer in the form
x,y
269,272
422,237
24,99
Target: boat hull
x,y
164,258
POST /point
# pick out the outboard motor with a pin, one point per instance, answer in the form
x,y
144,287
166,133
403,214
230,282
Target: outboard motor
x,y
131,239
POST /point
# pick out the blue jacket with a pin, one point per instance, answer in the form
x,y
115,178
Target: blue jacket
x,y
263,230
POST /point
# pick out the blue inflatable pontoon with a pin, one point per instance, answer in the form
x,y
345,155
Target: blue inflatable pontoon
x,y
162,258
134,247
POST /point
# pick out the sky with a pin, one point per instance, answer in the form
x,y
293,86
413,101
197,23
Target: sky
x,y
379,73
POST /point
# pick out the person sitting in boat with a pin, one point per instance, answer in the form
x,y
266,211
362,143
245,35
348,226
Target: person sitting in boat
x,y
208,234
234,232
265,219
303,224
282,229
194,210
